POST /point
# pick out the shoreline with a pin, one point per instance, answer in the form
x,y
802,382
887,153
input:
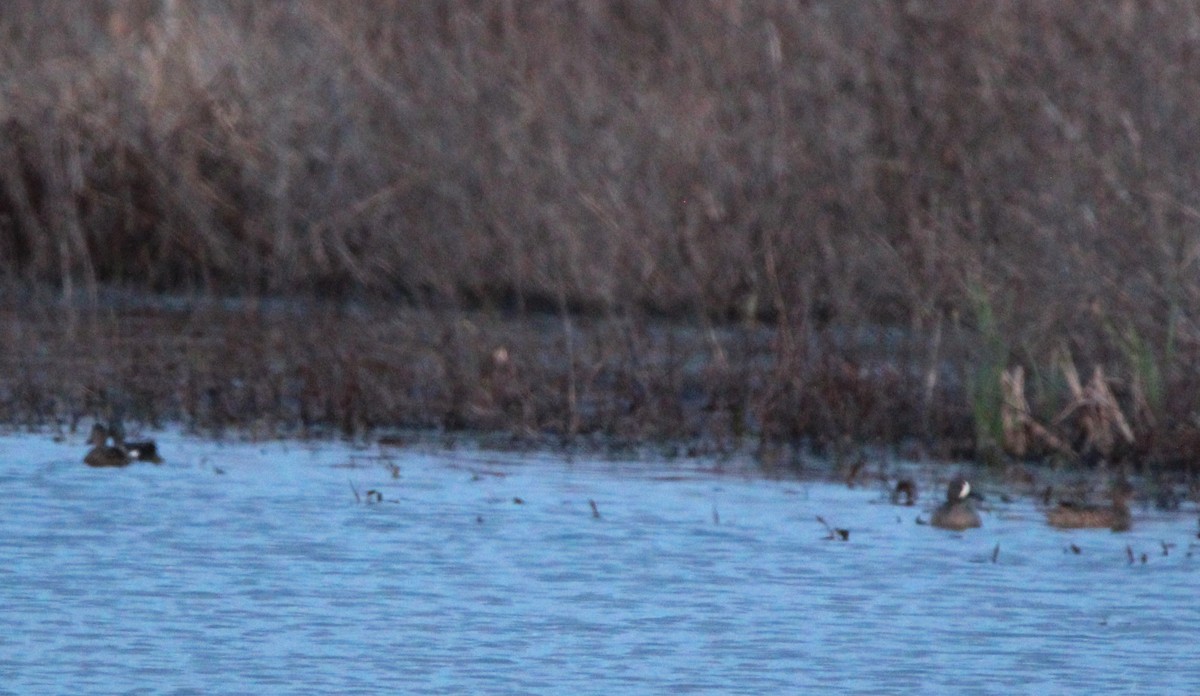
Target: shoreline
x,y
533,381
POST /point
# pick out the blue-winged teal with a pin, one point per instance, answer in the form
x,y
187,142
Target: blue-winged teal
x,y
956,513
102,453
1078,516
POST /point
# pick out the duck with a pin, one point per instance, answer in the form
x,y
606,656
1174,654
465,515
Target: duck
x,y
1116,516
120,452
103,454
957,513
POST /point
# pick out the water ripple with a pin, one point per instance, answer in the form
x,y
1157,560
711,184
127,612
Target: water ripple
x,y
272,578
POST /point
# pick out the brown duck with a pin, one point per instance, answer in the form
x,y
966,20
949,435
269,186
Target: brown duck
x,y
1079,516
103,454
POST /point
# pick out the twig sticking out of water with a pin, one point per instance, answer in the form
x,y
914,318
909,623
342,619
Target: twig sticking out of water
x,y
1129,553
996,553
595,510
855,468
357,499
716,515
834,532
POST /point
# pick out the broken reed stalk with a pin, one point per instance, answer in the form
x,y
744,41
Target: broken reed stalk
x,y
1096,410
1014,411
1093,408
1019,423
834,533
572,395
930,381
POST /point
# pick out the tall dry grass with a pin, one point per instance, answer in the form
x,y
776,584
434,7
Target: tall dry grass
x,y
822,168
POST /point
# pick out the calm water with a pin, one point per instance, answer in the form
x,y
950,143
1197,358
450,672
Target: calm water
x,y
239,568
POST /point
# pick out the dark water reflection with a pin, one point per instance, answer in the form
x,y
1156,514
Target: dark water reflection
x,y
270,578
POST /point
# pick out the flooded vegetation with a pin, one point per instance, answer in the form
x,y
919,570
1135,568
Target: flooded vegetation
x,y
280,566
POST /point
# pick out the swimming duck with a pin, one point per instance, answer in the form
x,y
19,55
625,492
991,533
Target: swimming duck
x,y
103,454
120,452
957,513
1079,516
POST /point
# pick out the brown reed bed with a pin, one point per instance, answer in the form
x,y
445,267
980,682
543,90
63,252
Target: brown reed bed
x,y
704,221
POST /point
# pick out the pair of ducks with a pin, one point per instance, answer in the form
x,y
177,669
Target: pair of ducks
x,y
119,453
958,514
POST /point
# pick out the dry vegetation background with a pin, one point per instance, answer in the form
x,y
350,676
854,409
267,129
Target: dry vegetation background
x,y
641,218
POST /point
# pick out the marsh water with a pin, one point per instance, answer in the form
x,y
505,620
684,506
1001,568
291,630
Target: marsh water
x,y
326,568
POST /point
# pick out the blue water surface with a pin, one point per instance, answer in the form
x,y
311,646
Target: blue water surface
x,y
269,569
